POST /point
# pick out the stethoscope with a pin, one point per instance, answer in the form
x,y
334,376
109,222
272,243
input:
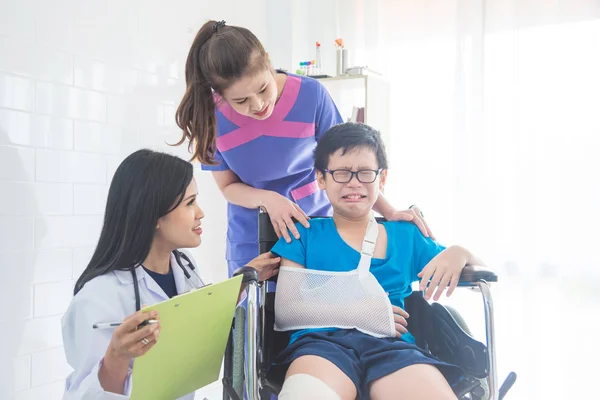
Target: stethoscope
x,y
194,280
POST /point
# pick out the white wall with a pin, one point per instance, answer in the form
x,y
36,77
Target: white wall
x,y
83,84
357,22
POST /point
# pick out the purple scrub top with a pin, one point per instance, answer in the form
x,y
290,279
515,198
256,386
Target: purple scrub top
x,y
274,154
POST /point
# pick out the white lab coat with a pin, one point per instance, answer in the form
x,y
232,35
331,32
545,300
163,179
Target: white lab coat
x,y
107,298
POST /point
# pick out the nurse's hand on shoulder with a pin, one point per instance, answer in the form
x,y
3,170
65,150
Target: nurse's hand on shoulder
x,y
128,341
282,211
267,265
413,215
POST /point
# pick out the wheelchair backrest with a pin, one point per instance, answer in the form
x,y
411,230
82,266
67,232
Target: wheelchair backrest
x,y
266,233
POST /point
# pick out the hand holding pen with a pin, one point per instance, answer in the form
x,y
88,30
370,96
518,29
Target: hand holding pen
x,y
134,336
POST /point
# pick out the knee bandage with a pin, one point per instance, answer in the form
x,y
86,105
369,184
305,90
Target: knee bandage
x,y
304,386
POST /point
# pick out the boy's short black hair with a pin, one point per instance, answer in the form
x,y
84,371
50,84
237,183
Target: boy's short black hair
x,y
348,136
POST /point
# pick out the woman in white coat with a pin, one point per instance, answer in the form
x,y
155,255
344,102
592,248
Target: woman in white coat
x,y
151,212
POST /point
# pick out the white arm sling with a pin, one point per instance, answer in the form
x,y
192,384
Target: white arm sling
x,y
307,298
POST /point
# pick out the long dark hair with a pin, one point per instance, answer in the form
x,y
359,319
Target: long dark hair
x,y
146,186
220,54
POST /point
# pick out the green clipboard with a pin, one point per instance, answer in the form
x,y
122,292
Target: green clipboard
x,y
194,331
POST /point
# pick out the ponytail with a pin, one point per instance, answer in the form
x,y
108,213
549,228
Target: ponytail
x,y
196,112
219,55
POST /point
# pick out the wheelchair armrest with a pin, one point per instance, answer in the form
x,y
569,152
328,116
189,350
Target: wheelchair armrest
x,y
472,274
249,274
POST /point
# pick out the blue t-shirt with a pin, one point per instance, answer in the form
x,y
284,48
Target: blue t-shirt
x,y
321,247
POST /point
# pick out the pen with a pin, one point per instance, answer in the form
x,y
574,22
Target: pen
x,y
108,325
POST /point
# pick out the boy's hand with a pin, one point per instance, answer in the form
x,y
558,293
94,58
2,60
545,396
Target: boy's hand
x,y
444,272
400,319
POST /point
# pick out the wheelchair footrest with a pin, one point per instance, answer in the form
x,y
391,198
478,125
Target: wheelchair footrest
x,y
448,341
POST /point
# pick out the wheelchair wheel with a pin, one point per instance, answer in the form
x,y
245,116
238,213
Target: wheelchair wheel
x,y
462,323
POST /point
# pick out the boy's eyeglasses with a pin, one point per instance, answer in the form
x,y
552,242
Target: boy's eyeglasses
x,y
345,176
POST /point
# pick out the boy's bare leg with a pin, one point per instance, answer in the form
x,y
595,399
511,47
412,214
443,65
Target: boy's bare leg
x,y
419,381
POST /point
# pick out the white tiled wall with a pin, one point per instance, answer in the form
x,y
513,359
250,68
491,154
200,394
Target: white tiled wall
x,y
83,84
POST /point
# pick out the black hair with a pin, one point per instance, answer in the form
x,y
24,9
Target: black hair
x,y
348,136
146,186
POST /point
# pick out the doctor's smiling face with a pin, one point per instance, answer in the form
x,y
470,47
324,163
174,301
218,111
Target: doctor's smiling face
x,y
180,228
151,206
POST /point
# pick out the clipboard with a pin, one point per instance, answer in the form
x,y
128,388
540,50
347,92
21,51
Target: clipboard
x,y
195,327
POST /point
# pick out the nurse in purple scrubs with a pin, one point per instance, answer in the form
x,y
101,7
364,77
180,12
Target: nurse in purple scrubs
x,y
256,128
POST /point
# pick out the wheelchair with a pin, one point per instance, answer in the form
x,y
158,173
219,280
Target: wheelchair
x,y
253,343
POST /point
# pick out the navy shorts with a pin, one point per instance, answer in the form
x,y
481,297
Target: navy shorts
x,y
361,357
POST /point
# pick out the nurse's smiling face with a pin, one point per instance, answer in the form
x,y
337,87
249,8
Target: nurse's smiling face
x,y
180,228
255,95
